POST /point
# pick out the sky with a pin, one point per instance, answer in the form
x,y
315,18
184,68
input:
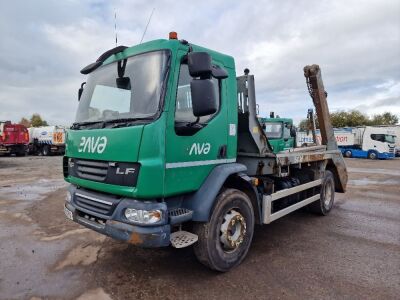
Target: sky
x,y
44,44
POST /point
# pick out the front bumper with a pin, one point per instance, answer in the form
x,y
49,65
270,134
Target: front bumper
x,y
114,224
386,155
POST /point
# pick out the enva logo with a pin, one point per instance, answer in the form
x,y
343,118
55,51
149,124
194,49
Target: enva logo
x,y
198,148
92,145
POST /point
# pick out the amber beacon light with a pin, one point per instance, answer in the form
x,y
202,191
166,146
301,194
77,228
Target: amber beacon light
x,y
173,35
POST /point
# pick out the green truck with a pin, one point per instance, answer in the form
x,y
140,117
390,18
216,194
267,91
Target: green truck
x,y
280,132
166,149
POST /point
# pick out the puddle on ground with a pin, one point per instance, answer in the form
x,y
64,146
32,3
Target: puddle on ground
x,y
65,234
366,181
33,190
375,171
83,255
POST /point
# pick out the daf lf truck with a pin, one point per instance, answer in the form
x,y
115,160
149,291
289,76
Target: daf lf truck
x,y
167,149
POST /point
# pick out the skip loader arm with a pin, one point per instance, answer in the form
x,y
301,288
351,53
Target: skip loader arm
x,y
318,95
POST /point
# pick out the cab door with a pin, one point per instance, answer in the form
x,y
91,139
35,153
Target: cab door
x,y
193,146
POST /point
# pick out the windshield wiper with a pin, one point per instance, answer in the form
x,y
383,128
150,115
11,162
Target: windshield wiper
x,y
124,121
77,125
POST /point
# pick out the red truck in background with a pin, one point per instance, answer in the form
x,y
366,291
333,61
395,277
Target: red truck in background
x,y
14,138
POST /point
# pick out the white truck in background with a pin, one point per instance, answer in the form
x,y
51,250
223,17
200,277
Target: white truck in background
x,y
394,130
360,142
46,140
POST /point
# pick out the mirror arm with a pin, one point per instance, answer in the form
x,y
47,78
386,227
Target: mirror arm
x,y
80,91
195,122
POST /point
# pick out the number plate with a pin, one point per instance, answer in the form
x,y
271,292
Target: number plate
x,y
68,213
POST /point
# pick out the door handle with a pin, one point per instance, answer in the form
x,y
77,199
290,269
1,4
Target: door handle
x,y
222,151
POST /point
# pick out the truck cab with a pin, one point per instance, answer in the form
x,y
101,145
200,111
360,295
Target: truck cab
x,y
166,149
14,138
280,132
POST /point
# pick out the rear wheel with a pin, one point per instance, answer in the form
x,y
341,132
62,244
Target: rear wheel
x,y
46,150
225,240
348,153
372,155
327,196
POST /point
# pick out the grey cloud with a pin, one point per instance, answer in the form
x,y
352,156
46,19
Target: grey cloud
x,y
356,45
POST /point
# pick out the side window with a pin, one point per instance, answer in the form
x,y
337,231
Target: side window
x,y
286,131
378,137
183,107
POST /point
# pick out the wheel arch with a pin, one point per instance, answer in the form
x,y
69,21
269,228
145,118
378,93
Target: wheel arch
x,y
223,176
242,182
340,186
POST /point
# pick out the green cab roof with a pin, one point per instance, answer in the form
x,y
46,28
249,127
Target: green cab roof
x,y
172,45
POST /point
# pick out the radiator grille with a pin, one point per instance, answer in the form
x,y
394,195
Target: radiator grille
x,y
94,204
92,170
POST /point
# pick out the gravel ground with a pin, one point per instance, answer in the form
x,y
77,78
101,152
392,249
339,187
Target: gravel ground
x,y
354,253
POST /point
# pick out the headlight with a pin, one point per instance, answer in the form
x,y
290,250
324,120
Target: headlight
x,y
143,216
68,198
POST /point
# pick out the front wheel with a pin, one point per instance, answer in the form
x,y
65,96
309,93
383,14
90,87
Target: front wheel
x,y
327,195
46,150
372,155
225,240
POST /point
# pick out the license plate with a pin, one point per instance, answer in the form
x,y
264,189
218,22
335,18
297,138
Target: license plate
x,y
68,213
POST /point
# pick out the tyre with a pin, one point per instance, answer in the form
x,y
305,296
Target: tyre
x,y
348,153
372,155
225,240
327,196
46,150
20,153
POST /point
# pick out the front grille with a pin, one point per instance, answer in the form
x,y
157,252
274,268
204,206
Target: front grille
x,y
116,173
92,170
95,204
391,150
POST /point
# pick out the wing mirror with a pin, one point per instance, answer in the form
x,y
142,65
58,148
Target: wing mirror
x,y
204,99
200,65
293,131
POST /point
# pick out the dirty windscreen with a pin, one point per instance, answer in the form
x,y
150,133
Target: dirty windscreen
x,y
103,99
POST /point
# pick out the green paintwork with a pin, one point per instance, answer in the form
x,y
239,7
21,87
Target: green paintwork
x,y
156,145
285,141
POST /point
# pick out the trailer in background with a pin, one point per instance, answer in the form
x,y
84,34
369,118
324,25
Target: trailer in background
x,y
360,142
47,140
14,138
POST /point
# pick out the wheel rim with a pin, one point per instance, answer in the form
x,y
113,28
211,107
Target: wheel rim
x,y
372,155
328,194
233,230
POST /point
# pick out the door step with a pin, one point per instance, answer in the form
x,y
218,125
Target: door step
x,y
182,239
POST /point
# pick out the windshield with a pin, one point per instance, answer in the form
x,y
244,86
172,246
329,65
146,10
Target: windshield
x,y
390,138
384,138
116,91
273,130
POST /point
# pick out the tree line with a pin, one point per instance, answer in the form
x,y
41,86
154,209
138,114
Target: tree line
x,y
34,121
354,118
